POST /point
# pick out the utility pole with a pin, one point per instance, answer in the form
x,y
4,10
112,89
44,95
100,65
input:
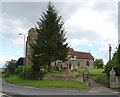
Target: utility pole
x,y
110,49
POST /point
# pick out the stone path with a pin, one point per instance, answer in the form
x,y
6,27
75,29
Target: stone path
x,y
101,89
95,87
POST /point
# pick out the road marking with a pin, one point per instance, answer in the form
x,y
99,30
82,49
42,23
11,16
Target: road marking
x,y
115,92
4,95
94,91
30,87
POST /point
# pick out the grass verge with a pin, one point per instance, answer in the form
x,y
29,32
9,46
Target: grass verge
x,y
14,79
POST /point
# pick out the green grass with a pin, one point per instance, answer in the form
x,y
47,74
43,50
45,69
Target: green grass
x,y
99,78
47,83
91,70
95,74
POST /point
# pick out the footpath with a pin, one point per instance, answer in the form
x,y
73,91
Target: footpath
x,y
95,87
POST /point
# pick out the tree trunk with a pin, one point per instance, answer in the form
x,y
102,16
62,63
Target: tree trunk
x,y
49,67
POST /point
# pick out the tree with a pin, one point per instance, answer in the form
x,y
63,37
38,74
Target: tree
x,y
115,63
50,44
118,56
10,66
99,63
20,61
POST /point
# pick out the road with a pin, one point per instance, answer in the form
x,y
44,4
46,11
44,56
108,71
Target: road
x,y
11,89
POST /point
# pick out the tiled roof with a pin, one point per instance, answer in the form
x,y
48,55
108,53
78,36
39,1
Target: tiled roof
x,y
80,55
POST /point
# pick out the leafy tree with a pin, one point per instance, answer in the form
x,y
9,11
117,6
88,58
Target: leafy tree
x,y
99,63
115,63
50,44
10,66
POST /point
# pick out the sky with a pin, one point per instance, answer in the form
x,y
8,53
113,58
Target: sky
x,y
90,26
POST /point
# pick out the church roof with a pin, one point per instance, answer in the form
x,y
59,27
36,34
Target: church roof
x,y
80,55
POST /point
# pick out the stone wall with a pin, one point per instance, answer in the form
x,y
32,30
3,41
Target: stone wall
x,y
114,81
78,78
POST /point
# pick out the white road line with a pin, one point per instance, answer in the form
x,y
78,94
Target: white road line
x,y
94,91
115,92
2,95
30,87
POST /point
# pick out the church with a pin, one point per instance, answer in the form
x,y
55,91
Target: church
x,y
75,59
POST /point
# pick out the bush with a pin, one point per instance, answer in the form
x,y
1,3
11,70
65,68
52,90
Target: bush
x,y
42,73
29,73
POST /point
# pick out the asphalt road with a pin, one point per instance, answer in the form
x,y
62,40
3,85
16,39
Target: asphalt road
x,y
11,89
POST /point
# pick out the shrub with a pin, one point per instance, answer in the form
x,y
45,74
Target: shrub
x,y
19,69
29,73
42,73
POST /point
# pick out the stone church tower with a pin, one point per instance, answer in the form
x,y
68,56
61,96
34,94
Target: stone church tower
x,y
32,35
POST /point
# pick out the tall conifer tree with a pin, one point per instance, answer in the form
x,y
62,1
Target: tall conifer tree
x,y
51,43
118,52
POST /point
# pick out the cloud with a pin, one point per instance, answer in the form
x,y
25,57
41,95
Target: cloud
x,y
11,29
91,25
4,58
104,49
80,42
86,23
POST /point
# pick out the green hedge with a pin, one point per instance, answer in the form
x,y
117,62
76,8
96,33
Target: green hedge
x,y
28,73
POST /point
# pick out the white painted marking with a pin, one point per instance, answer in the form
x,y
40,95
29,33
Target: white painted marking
x,y
94,91
30,87
116,92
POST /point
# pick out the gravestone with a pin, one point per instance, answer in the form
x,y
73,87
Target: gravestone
x,y
112,75
114,81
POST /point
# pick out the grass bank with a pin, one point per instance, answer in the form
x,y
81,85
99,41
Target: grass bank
x,y
95,74
14,79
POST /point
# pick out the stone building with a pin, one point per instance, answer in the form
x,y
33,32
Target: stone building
x,y
80,59
76,59
32,35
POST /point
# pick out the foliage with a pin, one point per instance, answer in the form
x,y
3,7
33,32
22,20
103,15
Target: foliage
x,y
20,61
10,67
50,44
47,83
99,63
115,63
118,56
29,73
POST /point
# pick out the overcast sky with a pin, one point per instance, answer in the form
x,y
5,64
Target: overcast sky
x,y
90,26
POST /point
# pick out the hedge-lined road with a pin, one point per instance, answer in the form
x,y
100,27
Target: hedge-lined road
x,y
10,89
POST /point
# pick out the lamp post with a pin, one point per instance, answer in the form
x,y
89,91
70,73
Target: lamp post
x,y
23,52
